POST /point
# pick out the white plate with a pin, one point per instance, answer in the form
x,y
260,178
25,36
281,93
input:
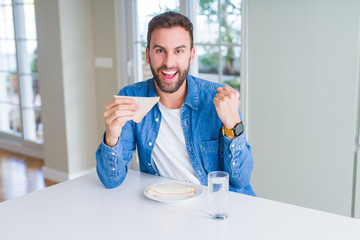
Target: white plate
x,y
175,199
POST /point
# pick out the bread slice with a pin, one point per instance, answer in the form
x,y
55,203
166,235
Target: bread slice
x,y
145,103
171,189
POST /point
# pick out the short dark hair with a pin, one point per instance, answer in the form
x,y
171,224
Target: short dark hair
x,y
168,20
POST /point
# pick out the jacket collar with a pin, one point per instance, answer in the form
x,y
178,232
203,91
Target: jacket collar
x,y
192,96
151,88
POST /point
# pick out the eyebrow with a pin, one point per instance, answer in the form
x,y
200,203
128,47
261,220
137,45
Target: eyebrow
x,y
158,46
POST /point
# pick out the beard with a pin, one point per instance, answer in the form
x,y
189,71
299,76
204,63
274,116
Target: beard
x,y
172,86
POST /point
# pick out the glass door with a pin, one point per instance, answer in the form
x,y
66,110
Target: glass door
x,y
20,101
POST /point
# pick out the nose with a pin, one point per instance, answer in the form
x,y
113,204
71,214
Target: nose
x,y
169,60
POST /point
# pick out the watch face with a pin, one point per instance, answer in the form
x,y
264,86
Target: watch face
x,y
239,129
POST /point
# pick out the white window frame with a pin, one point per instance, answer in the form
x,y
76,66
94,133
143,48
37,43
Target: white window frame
x,y
13,142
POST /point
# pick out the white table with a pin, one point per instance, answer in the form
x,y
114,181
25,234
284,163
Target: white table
x,y
83,209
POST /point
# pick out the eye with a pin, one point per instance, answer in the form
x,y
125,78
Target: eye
x,y
179,51
159,51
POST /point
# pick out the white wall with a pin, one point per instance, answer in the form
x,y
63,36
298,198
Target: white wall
x,y
67,86
79,83
51,85
302,100
105,45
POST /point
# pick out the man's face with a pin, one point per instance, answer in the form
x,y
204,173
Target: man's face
x,y
170,56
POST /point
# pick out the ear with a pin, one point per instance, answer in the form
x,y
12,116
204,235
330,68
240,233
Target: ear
x,y
147,55
192,55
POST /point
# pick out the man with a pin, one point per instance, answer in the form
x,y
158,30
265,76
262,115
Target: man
x,y
182,136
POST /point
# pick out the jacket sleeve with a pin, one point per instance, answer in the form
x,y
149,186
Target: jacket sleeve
x,y
238,162
112,163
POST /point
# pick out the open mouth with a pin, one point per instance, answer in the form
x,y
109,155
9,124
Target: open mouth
x,y
168,75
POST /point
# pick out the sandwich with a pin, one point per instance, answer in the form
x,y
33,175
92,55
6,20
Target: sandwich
x,y
172,189
145,103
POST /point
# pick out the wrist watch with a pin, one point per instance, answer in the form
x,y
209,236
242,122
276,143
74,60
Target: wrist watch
x,y
235,132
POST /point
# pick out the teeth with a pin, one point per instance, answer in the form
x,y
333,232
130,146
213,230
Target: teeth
x,y
169,72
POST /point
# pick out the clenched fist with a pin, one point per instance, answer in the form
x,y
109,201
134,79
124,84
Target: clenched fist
x,y
227,106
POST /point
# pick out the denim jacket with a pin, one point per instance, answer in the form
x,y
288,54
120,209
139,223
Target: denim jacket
x,y
208,149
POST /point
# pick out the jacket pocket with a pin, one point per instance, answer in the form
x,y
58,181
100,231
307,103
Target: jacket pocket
x,y
210,155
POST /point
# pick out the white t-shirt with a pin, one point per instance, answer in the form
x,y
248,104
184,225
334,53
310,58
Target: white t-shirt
x,y
169,153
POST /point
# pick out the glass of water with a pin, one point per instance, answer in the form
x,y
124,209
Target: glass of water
x,y
218,194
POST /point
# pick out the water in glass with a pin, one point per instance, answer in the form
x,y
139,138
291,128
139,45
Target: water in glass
x,y
218,191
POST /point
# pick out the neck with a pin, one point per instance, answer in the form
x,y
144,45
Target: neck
x,y
172,100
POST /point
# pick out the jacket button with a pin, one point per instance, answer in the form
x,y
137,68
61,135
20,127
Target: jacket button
x,y
156,119
150,144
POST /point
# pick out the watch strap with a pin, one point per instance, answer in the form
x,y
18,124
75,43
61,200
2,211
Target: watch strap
x,y
228,132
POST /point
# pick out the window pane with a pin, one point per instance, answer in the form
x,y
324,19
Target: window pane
x,y
147,9
230,57
32,124
6,22
7,56
231,21
146,72
26,16
208,57
9,90
5,2
24,1
30,97
38,126
230,60
31,93
10,119
18,71
206,24
13,89
28,51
